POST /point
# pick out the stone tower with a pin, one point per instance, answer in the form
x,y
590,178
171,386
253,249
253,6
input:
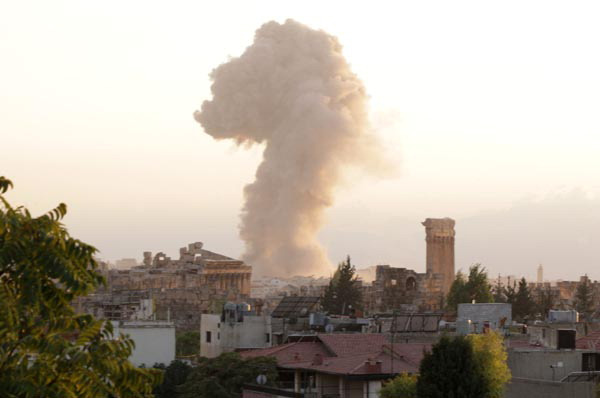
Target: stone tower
x,y
440,249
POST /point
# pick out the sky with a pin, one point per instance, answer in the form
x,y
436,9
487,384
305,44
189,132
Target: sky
x,y
488,111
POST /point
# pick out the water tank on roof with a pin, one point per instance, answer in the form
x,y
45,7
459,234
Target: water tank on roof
x,y
570,316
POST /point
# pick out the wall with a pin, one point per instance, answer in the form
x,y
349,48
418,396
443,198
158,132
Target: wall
x,y
212,324
154,341
250,333
519,388
535,364
480,313
230,336
373,388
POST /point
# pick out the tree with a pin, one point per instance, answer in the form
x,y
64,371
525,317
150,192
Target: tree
x,y
584,298
523,305
187,344
451,370
546,300
491,356
511,293
174,376
402,386
343,292
499,293
225,375
476,287
46,350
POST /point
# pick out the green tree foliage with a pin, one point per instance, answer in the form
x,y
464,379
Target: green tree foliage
x,y
224,376
499,293
523,305
546,300
174,376
343,291
403,386
511,293
476,287
187,344
491,356
584,303
46,350
452,370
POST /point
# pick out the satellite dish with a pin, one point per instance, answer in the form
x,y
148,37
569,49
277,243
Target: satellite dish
x,y
261,379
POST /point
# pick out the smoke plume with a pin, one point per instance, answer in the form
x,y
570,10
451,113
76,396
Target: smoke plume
x,y
292,90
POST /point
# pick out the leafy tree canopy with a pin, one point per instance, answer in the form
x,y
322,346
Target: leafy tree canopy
x,y
491,356
225,375
451,370
46,350
475,287
523,306
584,298
174,376
403,386
187,344
343,292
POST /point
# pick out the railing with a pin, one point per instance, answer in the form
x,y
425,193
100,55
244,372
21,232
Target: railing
x,y
274,391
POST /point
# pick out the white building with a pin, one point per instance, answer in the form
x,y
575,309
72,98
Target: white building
x,y
479,317
154,341
235,329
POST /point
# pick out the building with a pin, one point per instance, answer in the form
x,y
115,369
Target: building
x,y
154,341
552,373
337,365
481,317
236,329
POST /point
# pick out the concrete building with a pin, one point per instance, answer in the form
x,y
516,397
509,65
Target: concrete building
x,y
237,328
154,341
479,317
547,373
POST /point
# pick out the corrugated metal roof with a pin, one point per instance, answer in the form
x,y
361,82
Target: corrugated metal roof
x,y
294,307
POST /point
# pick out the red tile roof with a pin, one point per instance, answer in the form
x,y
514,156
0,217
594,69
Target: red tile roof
x,y
347,354
353,343
290,353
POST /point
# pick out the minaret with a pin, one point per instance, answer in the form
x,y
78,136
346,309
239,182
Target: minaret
x,y
440,249
540,274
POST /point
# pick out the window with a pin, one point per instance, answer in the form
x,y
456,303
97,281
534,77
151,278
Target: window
x,y
268,336
219,336
219,325
208,337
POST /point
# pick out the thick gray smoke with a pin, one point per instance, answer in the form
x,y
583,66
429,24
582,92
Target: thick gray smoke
x,y
293,90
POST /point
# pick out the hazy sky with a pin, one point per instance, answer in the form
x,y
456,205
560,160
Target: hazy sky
x,y
489,111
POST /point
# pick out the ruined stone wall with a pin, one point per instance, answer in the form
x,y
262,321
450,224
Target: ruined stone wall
x,y
403,289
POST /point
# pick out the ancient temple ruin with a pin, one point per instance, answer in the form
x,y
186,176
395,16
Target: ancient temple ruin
x,y
200,281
